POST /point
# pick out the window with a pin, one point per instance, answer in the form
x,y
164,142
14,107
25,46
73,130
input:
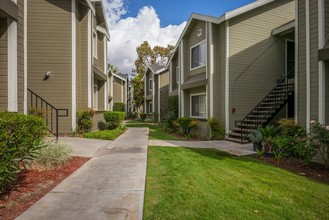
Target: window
x,y
150,108
198,105
150,84
95,97
198,55
177,74
95,44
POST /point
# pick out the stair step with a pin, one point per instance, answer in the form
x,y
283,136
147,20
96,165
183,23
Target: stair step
x,y
237,140
237,135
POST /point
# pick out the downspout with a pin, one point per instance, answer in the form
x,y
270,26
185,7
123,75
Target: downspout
x,y
308,66
211,80
227,79
322,77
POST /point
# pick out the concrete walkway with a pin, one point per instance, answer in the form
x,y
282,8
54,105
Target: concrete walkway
x,y
109,186
229,147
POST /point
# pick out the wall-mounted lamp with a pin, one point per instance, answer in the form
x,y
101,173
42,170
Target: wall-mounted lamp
x,y
47,75
233,110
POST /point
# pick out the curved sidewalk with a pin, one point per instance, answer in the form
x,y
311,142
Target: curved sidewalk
x,y
109,186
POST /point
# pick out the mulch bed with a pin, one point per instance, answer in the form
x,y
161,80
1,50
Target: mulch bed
x,y
31,185
314,171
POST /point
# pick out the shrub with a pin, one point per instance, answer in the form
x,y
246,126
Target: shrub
x,y
122,126
217,131
168,122
319,139
289,127
84,120
133,115
142,116
255,136
119,107
295,145
285,144
186,124
20,136
104,135
36,111
149,120
52,156
113,119
173,106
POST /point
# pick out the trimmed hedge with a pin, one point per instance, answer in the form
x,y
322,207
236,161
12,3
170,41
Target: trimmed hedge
x,y
119,107
20,136
85,120
217,131
114,119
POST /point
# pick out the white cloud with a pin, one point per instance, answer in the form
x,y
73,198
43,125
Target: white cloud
x,y
129,33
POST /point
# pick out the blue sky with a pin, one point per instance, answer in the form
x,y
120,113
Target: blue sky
x,y
160,22
177,11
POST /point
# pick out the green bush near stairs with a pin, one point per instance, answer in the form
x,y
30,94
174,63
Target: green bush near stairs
x,y
20,136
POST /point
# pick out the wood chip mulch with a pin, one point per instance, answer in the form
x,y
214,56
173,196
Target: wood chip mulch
x,y
31,185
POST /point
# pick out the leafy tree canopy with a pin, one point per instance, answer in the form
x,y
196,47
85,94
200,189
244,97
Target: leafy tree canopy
x,y
146,55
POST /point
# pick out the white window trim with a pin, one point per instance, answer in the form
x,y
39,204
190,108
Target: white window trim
x,y
201,42
95,104
198,94
12,65
25,56
150,84
74,72
177,75
90,60
150,112
95,51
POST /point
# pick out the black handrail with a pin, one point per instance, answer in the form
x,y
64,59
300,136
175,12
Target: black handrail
x,y
47,111
283,84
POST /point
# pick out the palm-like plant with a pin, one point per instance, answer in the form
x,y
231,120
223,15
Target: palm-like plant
x,y
268,134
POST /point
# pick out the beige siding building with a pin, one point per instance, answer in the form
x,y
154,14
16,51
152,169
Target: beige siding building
x,y
120,89
312,37
12,56
227,65
67,56
156,89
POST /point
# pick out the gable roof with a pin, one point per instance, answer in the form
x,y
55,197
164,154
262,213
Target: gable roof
x,y
99,11
120,76
226,16
156,68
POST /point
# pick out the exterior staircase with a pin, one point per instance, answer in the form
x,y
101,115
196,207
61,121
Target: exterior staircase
x,y
40,107
264,111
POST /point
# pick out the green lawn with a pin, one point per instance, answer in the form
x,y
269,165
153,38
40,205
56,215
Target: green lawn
x,y
104,134
155,132
187,183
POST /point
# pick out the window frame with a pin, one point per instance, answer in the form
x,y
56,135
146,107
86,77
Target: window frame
x,y
177,74
150,109
95,39
194,46
206,107
95,96
150,84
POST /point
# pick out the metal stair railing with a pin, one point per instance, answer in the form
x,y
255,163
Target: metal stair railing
x,y
47,111
284,86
